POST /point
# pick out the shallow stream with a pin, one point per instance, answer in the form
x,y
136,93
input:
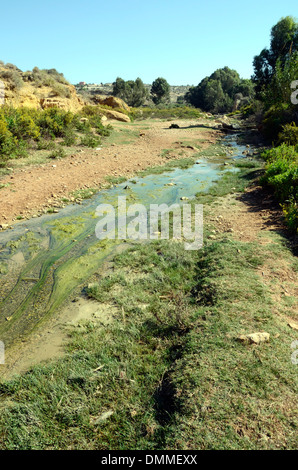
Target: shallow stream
x,y
43,260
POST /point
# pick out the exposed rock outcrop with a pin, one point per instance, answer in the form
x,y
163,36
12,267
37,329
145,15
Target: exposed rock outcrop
x,y
111,101
38,89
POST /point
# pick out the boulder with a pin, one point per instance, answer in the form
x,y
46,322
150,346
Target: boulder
x,y
116,115
111,101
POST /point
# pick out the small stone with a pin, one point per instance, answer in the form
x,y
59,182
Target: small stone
x,y
92,285
293,325
103,417
254,338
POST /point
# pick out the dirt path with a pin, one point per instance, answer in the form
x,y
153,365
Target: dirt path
x,y
33,189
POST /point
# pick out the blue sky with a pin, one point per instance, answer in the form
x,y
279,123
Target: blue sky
x,y
98,41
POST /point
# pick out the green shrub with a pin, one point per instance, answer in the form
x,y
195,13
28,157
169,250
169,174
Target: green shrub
x,y
21,123
13,78
274,120
54,121
282,174
83,126
22,128
289,134
8,142
58,153
291,215
90,140
69,138
170,112
45,144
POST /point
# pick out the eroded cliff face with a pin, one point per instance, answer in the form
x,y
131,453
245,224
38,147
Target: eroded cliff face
x,y
41,89
38,89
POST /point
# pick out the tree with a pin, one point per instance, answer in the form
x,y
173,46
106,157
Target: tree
x,y
284,42
217,92
160,91
132,92
279,91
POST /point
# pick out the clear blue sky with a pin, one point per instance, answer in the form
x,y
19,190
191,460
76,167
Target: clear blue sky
x,y
98,41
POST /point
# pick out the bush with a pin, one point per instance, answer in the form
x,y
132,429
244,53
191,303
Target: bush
x,y
90,140
8,143
45,144
58,153
282,174
170,112
13,78
274,120
289,134
21,123
21,128
54,122
69,138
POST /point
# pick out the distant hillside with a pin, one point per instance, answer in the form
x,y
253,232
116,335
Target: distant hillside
x,y
38,88
87,90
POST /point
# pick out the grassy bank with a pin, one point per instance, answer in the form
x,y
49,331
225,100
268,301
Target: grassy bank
x,y
166,369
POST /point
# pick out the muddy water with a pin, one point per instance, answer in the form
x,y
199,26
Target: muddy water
x,y
43,260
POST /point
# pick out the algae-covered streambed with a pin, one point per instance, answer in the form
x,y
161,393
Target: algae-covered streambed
x,y
43,260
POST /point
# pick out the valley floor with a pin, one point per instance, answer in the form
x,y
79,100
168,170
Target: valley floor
x,y
154,353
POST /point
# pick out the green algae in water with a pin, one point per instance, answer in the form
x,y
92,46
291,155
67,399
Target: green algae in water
x,y
3,267
72,253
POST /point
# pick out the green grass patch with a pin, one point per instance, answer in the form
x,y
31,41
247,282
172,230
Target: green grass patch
x,y
167,372
115,179
171,112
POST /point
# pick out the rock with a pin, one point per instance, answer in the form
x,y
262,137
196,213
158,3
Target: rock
x,y
116,115
4,226
232,127
111,101
92,285
103,417
293,325
254,338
